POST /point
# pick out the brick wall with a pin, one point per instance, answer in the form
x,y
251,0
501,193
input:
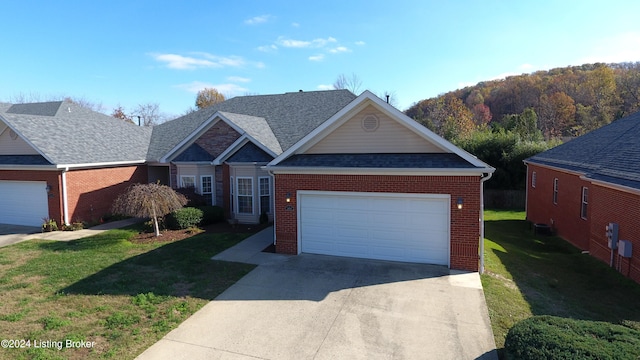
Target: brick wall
x,y
605,205
611,205
565,216
465,227
53,179
92,191
218,138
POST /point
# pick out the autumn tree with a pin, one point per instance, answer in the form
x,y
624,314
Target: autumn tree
x,y
148,201
208,97
525,125
557,114
351,83
119,113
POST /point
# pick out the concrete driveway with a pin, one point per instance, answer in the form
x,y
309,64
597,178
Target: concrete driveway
x,y
11,234
322,307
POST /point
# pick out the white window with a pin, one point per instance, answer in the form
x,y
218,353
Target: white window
x,y
555,190
187,181
206,188
265,195
585,202
244,189
533,179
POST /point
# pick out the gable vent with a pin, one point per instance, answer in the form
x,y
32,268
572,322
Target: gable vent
x,y
370,123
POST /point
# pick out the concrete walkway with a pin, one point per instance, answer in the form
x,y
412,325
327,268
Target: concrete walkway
x,y
14,234
324,307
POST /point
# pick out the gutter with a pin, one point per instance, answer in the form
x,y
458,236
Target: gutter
x,y
375,171
484,178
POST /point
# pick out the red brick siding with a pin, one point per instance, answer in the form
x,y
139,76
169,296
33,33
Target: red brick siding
x,y
465,227
92,191
53,178
605,205
218,138
623,208
567,221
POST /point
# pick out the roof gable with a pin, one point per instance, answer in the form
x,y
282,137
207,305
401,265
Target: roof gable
x,y
363,104
610,153
75,136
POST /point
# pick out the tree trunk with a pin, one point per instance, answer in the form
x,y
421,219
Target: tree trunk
x,y
155,221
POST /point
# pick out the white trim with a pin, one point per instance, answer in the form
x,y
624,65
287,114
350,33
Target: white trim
x,y
30,167
369,98
270,194
300,193
253,202
213,181
375,171
584,204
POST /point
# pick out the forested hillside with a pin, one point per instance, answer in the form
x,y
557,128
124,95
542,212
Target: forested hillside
x,y
566,101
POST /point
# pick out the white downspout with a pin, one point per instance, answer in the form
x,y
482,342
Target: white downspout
x,y
482,180
65,204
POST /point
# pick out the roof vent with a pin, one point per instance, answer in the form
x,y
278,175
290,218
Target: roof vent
x,y
370,123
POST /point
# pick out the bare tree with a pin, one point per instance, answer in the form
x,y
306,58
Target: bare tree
x,y
351,83
119,113
149,114
208,96
85,103
148,200
32,97
390,97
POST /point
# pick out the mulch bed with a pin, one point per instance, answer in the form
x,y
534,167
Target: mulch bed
x,y
177,235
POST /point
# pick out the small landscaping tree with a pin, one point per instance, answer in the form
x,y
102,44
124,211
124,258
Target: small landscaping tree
x,y
148,200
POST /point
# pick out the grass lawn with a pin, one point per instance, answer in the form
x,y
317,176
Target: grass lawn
x,y
536,275
122,295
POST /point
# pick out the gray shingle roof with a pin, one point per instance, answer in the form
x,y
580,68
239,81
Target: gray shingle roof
x,y
394,161
75,135
611,153
290,117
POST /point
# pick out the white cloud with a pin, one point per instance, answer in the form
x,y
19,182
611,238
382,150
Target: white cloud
x,y
339,49
295,24
526,67
325,87
238,79
226,89
318,57
315,43
174,61
360,43
267,48
258,20
198,60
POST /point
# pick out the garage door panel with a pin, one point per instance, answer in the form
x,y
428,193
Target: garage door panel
x,y
400,227
23,202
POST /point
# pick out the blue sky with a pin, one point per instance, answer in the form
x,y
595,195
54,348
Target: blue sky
x,y
136,52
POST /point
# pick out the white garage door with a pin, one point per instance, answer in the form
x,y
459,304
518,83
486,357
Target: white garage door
x,y
23,202
385,226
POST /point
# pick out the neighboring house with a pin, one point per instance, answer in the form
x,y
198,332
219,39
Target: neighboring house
x,y
64,162
579,187
338,174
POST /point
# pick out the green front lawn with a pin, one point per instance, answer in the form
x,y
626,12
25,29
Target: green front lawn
x,y
122,295
530,275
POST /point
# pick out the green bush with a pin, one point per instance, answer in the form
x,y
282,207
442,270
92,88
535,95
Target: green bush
x,y
549,337
211,214
184,218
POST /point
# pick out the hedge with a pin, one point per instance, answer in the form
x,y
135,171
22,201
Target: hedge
x,y
184,218
550,337
211,214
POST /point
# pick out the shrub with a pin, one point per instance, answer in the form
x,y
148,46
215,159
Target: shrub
x,y
193,198
184,218
549,337
211,214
